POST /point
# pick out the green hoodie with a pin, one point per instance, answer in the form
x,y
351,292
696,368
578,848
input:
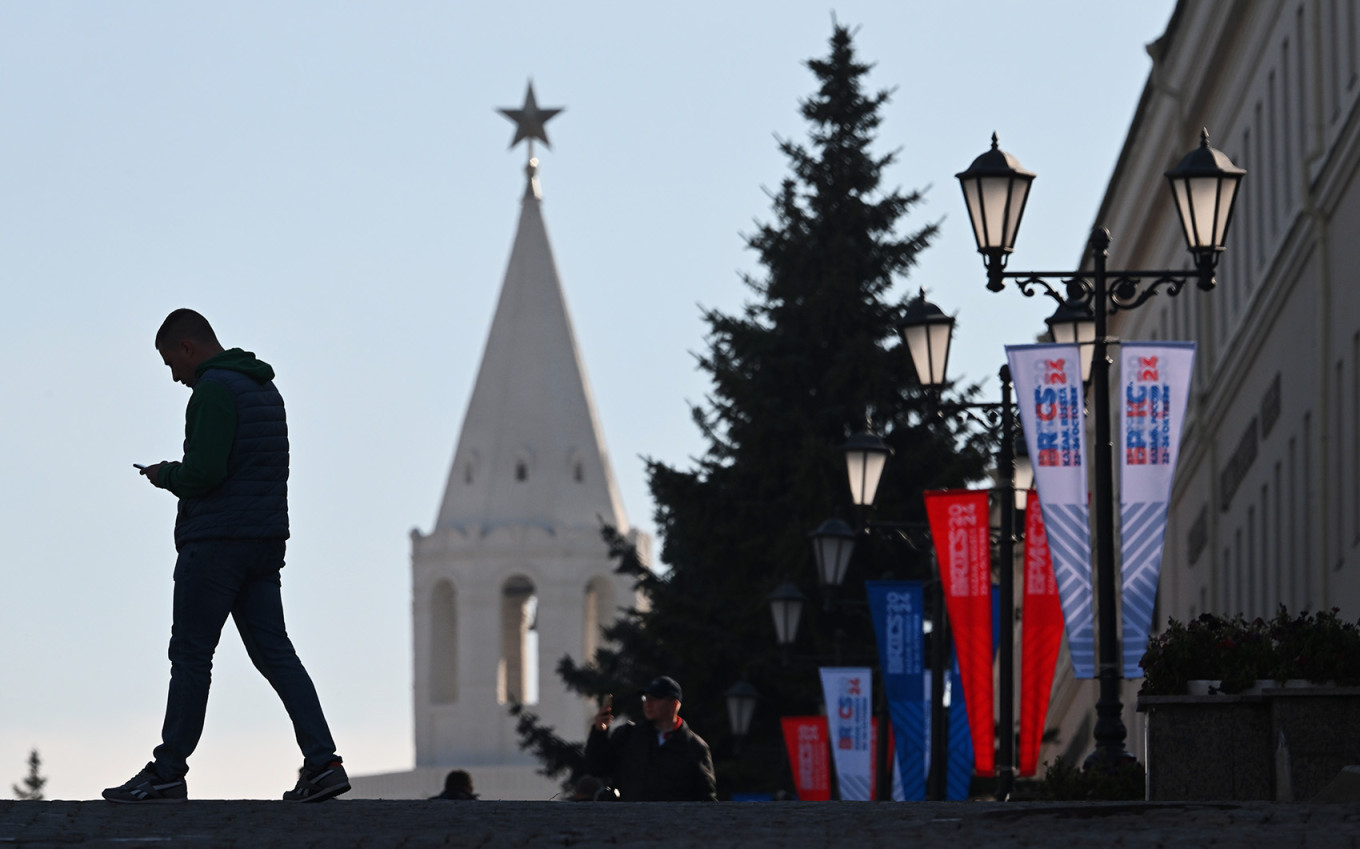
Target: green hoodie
x,y
210,427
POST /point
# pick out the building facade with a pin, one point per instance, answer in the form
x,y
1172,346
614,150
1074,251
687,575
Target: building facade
x,y
1265,509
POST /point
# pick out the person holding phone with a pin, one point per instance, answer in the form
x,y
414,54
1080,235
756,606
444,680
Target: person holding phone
x,y
230,534
661,760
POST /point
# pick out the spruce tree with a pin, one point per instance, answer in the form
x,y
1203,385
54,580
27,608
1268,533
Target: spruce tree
x,y
32,786
809,359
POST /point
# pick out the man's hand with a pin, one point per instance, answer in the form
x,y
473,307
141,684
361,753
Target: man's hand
x,y
152,473
603,717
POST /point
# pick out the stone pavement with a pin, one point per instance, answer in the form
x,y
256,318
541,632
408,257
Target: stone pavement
x,y
921,825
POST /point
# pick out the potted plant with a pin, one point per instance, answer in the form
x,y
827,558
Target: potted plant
x,y
1239,654
1317,648
1285,740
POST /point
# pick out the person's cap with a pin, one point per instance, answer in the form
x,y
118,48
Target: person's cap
x,y
663,688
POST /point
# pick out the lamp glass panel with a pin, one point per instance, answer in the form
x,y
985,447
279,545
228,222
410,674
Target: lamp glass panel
x,y
865,468
939,352
995,193
918,345
972,197
1225,205
1204,197
740,709
833,555
928,345
1016,208
787,613
1181,192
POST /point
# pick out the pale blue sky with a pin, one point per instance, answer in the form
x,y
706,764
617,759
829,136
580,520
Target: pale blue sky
x,y
329,183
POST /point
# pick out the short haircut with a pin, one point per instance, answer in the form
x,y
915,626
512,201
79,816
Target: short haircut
x,y
458,780
185,324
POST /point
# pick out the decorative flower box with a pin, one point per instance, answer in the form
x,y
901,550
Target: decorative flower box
x,y
1282,743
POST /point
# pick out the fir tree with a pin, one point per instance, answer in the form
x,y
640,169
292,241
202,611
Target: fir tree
x,y
32,785
807,361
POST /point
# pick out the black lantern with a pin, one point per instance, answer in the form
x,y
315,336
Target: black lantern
x,y
995,188
786,606
741,706
865,455
926,332
832,544
1075,325
1205,186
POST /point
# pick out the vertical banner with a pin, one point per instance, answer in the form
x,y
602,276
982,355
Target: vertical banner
x,y
960,524
899,624
959,777
849,715
805,738
1048,392
1041,627
1156,381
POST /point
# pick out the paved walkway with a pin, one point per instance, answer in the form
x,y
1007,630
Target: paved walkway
x,y
922,825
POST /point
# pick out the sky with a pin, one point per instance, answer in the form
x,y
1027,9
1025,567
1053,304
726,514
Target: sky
x,y
329,182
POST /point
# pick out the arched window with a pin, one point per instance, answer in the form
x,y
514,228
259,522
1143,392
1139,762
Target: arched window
x,y
517,671
599,612
443,644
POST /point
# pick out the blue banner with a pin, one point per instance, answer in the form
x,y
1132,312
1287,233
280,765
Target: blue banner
x,y
960,774
897,608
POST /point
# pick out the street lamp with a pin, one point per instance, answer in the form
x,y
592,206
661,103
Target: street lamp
x,y
832,544
996,188
865,455
1075,324
926,331
786,606
1003,416
741,706
1204,186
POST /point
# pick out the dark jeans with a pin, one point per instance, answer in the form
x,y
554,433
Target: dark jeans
x,y
214,578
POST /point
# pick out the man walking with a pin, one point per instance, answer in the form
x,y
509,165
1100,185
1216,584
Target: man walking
x,y
230,534
662,760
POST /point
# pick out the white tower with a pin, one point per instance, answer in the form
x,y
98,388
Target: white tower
x,y
514,574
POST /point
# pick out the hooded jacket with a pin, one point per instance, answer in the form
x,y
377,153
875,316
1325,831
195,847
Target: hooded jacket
x,y
233,480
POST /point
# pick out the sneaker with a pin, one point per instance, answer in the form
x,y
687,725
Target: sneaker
x,y
317,784
148,786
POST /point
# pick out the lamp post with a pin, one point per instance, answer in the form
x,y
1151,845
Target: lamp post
x,y
1204,186
832,546
927,337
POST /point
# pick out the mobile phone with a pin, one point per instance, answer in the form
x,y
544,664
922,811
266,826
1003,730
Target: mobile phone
x,y
139,466
607,701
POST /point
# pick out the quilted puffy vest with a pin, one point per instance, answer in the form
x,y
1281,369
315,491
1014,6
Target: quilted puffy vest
x,y
252,503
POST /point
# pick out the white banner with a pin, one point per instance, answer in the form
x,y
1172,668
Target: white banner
x,y
1048,393
1156,378
849,716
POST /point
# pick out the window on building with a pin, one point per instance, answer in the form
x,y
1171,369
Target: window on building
x,y
517,670
599,612
1287,124
443,644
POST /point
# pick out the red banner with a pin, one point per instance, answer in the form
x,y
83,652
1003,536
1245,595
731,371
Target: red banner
x,y
809,756
806,739
961,527
1041,631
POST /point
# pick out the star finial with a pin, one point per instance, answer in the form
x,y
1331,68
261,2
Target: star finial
x,y
530,120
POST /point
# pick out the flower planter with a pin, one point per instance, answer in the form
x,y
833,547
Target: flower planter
x,y
1224,747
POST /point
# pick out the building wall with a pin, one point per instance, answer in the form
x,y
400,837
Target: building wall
x,y
1266,504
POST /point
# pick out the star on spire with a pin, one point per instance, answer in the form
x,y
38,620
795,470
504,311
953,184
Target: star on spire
x,y
530,120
